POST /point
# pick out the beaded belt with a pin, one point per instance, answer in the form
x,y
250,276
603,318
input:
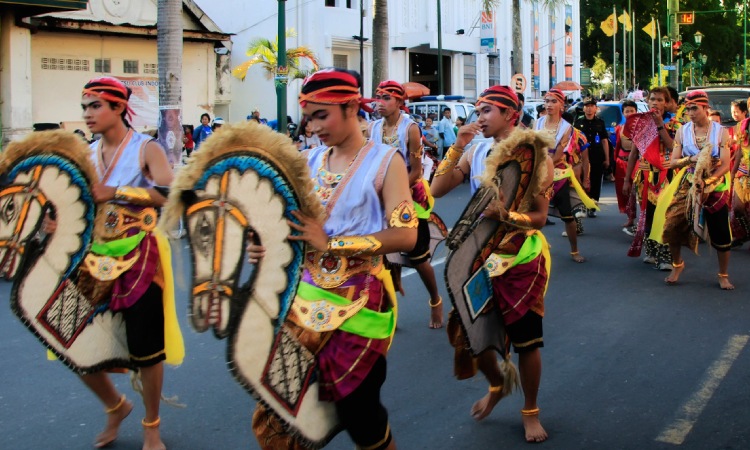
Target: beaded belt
x,y
114,220
329,271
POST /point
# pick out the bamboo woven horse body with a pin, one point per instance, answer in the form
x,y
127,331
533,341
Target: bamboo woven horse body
x,y
52,171
249,178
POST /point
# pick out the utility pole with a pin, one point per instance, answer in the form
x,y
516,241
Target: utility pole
x,y
673,7
440,49
362,45
282,72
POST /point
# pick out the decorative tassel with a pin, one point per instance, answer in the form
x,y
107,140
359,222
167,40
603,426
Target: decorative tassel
x,y
511,380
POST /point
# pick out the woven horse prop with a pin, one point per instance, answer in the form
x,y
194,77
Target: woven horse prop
x,y
51,173
249,179
509,169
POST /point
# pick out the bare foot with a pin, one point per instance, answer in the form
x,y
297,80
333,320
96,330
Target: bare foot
x,y
725,284
533,428
114,419
152,439
675,274
436,315
577,257
483,407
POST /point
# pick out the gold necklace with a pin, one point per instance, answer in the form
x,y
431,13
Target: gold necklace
x,y
392,137
328,181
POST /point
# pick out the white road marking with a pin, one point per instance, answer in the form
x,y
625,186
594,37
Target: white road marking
x,y
692,409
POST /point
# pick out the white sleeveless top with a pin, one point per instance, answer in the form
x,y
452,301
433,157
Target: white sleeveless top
x,y
690,146
402,133
126,168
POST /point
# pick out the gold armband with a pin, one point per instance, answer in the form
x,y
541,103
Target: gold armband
x,y
353,245
133,195
518,220
451,159
549,193
418,154
404,216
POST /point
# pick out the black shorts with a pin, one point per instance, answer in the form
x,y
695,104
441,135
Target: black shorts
x,y
561,200
719,229
526,333
363,415
144,328
421,252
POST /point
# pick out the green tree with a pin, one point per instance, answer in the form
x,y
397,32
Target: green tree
x,y
264,52
380,38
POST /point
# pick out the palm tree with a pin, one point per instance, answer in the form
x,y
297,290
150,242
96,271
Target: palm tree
x,y
264,52
490,5
380,37
169,57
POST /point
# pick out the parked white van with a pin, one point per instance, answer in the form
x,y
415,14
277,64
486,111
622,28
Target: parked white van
x,y
434,105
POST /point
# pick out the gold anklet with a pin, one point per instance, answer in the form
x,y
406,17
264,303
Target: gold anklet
x,y
154,424
530,412
723,275
117,406
679,265
496,389
439,302
573,253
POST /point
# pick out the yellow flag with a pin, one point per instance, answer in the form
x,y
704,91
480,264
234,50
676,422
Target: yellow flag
x,y
650,29
609,25
624,19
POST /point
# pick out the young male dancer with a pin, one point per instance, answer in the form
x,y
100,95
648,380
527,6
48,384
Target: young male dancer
x,y
369,213
700,191
399,131
519,292
131,167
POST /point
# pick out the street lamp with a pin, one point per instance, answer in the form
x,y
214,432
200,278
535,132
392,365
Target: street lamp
x,y
698,36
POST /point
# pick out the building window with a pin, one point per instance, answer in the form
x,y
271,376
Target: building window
x,y
102,66
470,77
72,64
341,61
331,3
151,68
494,71
130,66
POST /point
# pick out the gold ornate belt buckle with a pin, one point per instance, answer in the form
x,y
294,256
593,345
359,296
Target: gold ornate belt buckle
x,y
324,316
107,268
113,221
330,271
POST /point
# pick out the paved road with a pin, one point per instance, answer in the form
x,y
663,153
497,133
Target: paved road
x,y
629,364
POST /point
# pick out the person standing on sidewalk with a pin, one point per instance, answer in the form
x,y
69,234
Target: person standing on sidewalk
x,y
596,134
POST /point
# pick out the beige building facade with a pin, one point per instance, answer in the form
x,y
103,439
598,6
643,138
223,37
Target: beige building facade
x,y
48,58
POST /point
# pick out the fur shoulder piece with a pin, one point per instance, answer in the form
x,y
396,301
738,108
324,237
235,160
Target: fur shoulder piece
x,y
507,150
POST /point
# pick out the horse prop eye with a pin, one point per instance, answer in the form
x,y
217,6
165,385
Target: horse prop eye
x,y
8,212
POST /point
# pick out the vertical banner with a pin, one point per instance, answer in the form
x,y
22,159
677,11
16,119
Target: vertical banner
x,y
552,51
487,33
535,27
144,101
568,42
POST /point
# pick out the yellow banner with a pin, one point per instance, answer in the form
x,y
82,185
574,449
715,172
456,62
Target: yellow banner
x,y
609,25
624,19
650,29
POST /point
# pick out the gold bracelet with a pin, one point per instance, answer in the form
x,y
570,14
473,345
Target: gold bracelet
x,y
404,216
452,156
518,219
353,245
133,195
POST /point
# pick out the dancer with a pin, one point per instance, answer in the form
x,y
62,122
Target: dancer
x,y
362,186
131,167
519,292
698,196
741,186
555,127
399,131
652,175
623,147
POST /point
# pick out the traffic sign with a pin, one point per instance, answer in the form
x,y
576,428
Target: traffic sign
x,y
518,82
666,67
685,17
585,76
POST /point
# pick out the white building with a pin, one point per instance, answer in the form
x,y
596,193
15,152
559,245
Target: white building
x,y
331,27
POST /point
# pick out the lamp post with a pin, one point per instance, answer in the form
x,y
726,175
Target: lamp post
x,y
703,59
665,43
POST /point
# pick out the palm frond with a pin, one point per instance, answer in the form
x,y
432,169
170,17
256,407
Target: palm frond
x,y
489,5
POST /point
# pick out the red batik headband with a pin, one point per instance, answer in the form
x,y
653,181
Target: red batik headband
x,y
501,96
556,93
111,90
332,87
697,98
394,89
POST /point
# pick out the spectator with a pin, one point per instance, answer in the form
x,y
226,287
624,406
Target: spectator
x,y
524,118
540,111
218,123
255,115
461,121
596,135
307,139
187,139
430,136
715,115
445,129
202,131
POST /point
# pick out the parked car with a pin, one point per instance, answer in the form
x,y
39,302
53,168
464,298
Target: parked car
x,y
721,98
434,105
611,113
